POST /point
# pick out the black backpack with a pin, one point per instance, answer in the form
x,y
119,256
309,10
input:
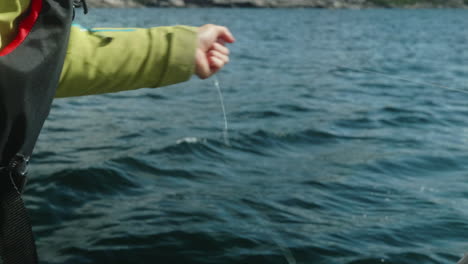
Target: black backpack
x,y
30,68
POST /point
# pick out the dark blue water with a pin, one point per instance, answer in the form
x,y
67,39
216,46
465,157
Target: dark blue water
x,y
326,164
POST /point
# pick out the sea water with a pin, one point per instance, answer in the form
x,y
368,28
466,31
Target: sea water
x,y
325,164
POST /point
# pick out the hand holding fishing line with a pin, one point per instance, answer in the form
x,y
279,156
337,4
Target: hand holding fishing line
x,y
212,54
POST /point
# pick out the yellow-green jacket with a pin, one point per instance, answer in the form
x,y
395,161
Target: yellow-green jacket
x,y
104,60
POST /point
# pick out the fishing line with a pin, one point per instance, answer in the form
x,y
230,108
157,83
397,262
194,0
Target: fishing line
x,y
275,238
221,100
286,252
390,76
288,255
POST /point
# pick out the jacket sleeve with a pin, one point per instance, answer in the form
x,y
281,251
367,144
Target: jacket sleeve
x,y
10,13
112,60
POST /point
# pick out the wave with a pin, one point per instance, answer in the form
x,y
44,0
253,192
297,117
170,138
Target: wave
x,y
415,165
259,114
100,180
140,167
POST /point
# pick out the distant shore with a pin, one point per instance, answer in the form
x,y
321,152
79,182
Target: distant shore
x,y
352,4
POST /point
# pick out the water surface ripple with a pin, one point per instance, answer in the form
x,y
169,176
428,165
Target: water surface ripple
x,y
325,163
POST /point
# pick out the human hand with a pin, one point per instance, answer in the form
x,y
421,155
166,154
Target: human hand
x,y
212,54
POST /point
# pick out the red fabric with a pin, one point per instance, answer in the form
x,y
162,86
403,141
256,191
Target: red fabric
x,y
24,27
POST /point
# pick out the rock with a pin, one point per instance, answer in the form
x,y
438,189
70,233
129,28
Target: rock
x,y
275,3
177,3
113,3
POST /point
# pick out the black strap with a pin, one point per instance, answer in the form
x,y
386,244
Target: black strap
x,y
16,237
80,4
29,76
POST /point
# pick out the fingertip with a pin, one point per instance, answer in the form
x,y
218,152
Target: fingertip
x,y
224,58
227,35
216,63
221,48
230,38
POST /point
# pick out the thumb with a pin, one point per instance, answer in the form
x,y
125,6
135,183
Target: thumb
x,y
225,35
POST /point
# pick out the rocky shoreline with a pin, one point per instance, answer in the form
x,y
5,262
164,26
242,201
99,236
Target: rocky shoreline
x,y
355,4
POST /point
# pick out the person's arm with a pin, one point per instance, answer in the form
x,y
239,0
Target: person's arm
x,y
111,60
